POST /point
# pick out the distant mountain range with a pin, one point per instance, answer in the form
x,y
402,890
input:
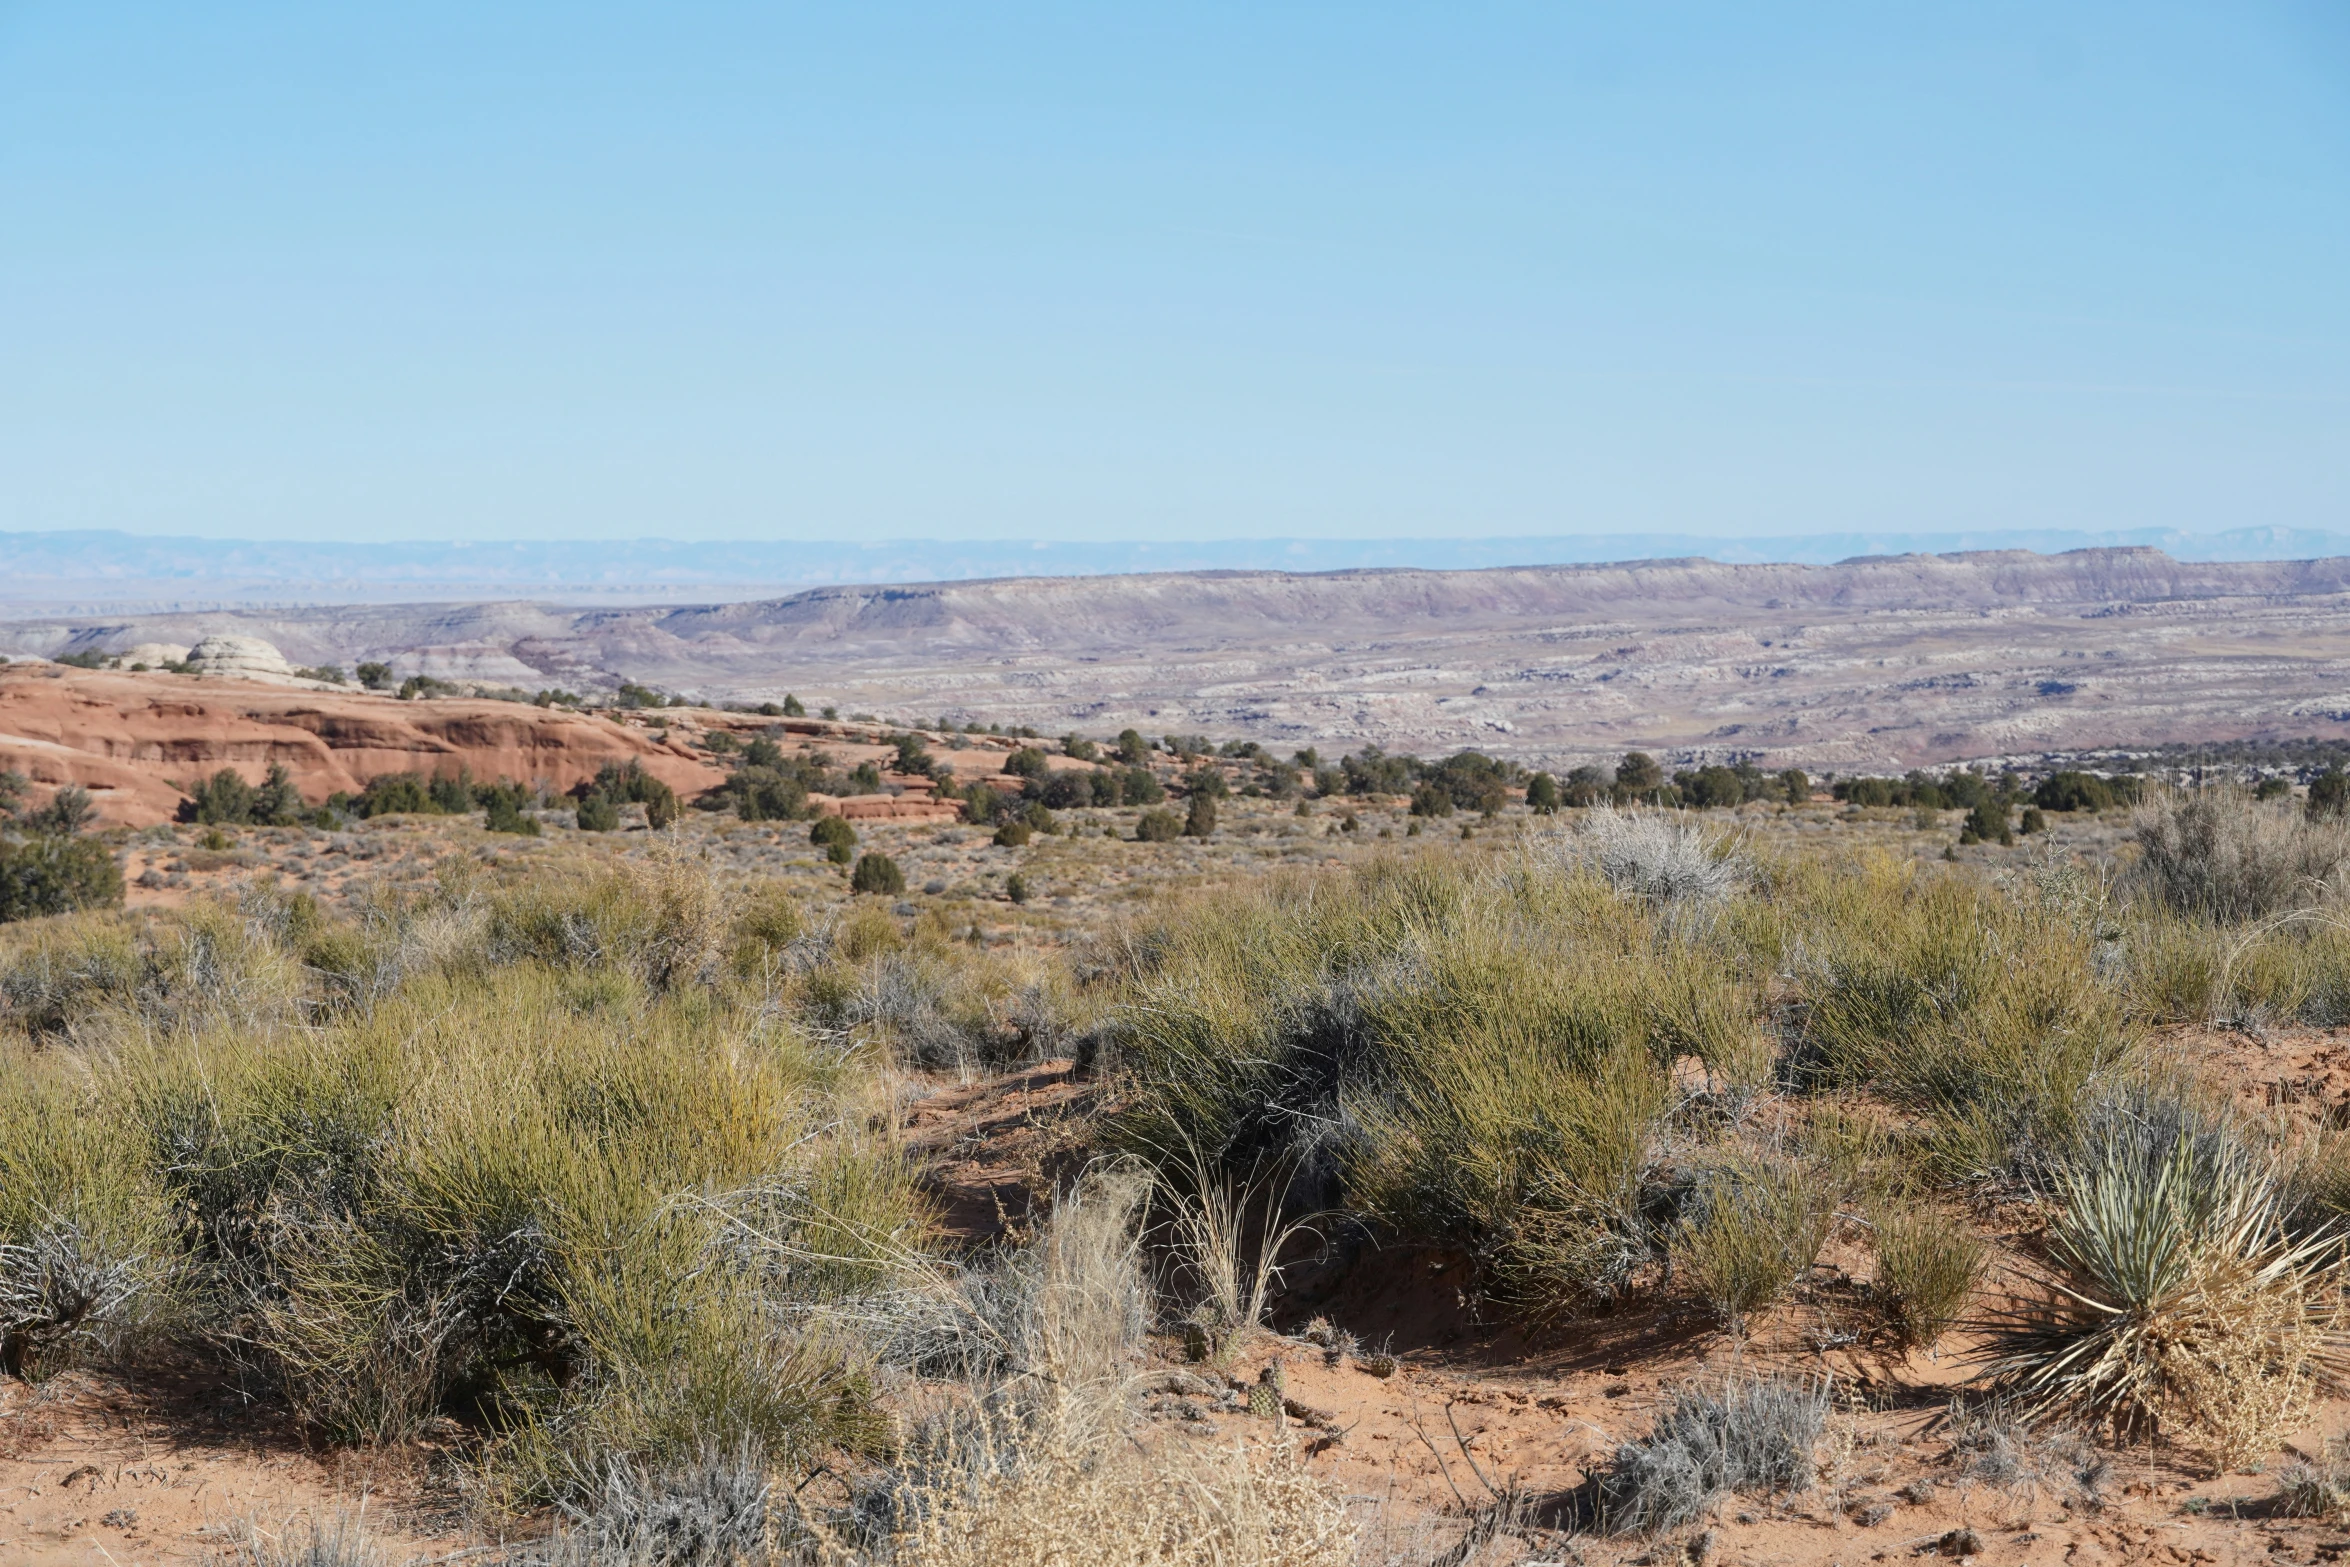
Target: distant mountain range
x,y
1895,660
100,572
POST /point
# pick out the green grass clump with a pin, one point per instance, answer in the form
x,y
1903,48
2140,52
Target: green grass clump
x,y
487,1161
1928,1264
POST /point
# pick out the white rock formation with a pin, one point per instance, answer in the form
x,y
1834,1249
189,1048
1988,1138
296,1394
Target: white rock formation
x,y
154,654
239,658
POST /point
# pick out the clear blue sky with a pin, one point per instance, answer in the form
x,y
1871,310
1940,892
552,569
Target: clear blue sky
x,y
1129,271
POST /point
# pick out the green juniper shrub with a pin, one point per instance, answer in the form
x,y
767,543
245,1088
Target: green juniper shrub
x,y
375,676
763,752
1078,746
1141,787
1027,762
2272,789
1795,786
878,873
984,804
505,807
835,837
395,794
223,797
865,778
1014,834
1133,750
69,810
1638,776
597,814
1199,818
1542,794
1040,818
51,873
1158,826
2032,821
12,787
1431,799
1585,786
1986,822
2329,794
1208,781
1016,888
793,707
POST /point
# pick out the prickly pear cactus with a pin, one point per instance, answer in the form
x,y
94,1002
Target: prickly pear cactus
x,y
1378,1365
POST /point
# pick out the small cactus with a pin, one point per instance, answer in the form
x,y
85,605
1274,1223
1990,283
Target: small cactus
x,y
1264,1402
1276,1377
1196,1344
1381,1366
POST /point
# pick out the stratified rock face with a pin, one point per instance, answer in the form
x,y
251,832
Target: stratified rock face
x,y
239,658
133,739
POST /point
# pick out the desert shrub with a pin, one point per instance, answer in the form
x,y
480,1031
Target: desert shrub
x,y
2178,1300
338,1541
665,922
1199,817
835,837
2218,854
1928,1263
1542,794
1752,1438
1754,1226
1013,835
1158,827
70,809
597,814
482,1192
1027,762
392,794
2319,1486
85,1235
1141,787
714,1508
50,874
1480,1060
877,873
1673,866
1963,1004
504,810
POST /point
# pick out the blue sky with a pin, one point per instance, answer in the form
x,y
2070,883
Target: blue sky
x,y
437,271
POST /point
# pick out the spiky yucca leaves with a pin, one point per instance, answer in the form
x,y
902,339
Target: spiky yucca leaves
x,y
2178,1300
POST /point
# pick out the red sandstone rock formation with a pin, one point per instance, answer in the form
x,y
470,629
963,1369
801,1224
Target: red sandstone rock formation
x,y
130,739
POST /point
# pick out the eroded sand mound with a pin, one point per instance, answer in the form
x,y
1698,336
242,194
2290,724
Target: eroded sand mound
x,y
132,738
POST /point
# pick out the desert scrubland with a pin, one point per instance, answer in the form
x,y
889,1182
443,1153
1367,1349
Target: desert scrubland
x,y
1258,1160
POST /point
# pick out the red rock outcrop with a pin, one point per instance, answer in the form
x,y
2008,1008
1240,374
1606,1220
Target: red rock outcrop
x,y
131,739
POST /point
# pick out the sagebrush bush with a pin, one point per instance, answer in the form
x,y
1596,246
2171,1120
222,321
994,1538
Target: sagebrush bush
x,y
2219,854
1758,1437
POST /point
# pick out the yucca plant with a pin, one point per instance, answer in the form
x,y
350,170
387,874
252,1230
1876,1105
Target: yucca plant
x,y
2178,1302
